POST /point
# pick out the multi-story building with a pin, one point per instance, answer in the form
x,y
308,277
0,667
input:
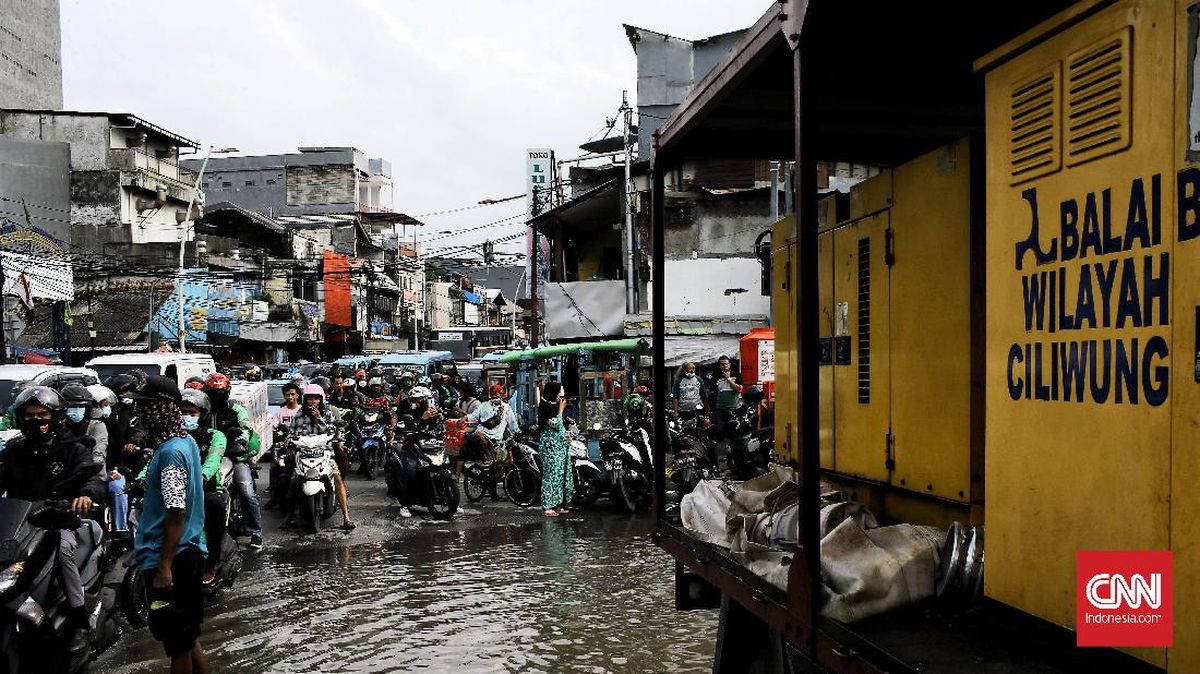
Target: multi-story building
x,y
30,51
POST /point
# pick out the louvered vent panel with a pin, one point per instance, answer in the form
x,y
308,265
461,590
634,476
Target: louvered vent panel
x,y
1098,99
1034,131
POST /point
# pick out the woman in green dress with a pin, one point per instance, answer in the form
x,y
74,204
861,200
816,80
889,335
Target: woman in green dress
x,y
558,482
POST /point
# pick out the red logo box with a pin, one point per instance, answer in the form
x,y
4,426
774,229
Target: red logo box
x,y
1124,598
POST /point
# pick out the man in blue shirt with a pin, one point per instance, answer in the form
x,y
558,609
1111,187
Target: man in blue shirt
x,y
168,547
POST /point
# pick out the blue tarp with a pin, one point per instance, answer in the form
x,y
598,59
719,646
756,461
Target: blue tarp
x,y
472,297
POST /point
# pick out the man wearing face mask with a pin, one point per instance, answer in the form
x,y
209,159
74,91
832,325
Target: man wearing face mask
x,y
103,400
689,393
195,410
33,466
78,420
126,438
241,447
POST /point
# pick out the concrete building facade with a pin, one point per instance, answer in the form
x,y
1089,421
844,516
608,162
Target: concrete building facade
x,y
30,54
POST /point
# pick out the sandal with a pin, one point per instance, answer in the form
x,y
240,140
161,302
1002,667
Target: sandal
x,y
349,526
561,510
550,513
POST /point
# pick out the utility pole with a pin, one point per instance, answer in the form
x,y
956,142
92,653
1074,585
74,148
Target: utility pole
x,y
420,291
534,273
631,306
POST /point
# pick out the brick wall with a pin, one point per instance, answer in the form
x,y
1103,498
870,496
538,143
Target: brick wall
x,y
326,184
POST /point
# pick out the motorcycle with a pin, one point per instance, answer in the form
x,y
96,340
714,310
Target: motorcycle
x,y
314,493
523,481
34,621
372,436
690,459
589,479
482,475
230,565
628,464
749,450
432,483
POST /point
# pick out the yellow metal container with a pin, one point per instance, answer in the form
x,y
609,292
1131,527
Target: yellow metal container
x,y
1091,396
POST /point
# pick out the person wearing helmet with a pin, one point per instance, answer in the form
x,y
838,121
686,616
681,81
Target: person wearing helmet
x,y
344,396
194,382
77,419
637,412
317,418
376,399
241,446
419,405
169,546
195,409
404,383
496,422
126,437
33,468
282,419
360,379
9,420
446,394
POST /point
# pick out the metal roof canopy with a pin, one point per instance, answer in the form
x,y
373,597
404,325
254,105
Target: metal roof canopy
x,y
834,80
888,81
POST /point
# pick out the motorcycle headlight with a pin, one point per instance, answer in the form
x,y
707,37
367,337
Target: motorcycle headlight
x,y
437,459
10,576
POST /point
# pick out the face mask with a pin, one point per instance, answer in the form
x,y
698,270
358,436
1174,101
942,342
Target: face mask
x,y
76,414
37,430
690,375
191,422
127,401
362,384
105,412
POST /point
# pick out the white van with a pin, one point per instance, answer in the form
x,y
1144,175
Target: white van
x,y
177,366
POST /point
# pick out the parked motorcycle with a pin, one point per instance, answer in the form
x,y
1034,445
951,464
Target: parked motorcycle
x,y
314,492
749,450
690,459
432,483
589,479
628,466
371,440
34,622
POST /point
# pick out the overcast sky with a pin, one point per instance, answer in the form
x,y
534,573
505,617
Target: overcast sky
x,y
450,92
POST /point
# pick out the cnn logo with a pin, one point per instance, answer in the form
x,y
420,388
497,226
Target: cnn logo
x,y
1115,590
1123,598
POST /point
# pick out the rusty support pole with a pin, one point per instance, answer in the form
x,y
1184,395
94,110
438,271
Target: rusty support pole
x,y
658,317
804,589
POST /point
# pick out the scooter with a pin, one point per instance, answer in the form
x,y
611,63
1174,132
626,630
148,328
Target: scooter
x,y
628,464
432,482
34,621
690,459
371,439
589,479
314,493
749,450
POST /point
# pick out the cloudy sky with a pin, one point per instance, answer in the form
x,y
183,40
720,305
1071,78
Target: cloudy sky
x,y
450,92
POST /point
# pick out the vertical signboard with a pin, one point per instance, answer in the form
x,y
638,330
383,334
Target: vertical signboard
x,y
539,183
337,289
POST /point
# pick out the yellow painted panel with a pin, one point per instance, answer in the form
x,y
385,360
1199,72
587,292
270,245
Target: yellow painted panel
x,y
825,371
1184,656
860,428
1064,475
871,195
930,328
784,284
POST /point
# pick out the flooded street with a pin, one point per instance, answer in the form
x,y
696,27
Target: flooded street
x,y
496,589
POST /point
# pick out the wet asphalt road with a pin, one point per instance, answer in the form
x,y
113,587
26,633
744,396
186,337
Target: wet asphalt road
x,y
498,588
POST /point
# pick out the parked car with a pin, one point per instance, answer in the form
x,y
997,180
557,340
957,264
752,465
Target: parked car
x,y
41,375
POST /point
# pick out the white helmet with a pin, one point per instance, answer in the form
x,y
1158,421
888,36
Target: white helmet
x,y
104,397
419,392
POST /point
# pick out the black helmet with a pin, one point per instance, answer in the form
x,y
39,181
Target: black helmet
x,y
157,389
41,395
753,395
74,395
375,372
121,383
323,382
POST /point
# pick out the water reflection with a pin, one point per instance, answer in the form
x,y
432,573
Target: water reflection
x,y
583,593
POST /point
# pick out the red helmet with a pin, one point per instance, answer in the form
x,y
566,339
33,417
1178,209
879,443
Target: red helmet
x,y
194,385
642,390
496,388
216,382
361,374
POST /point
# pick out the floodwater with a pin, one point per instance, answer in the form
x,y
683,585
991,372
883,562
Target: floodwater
x,y
496,589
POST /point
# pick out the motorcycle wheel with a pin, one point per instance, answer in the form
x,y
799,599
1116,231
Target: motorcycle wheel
x,y
474,483
369,461
311,510
134,604
628,494
519,488
688,481
587,487
442,501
